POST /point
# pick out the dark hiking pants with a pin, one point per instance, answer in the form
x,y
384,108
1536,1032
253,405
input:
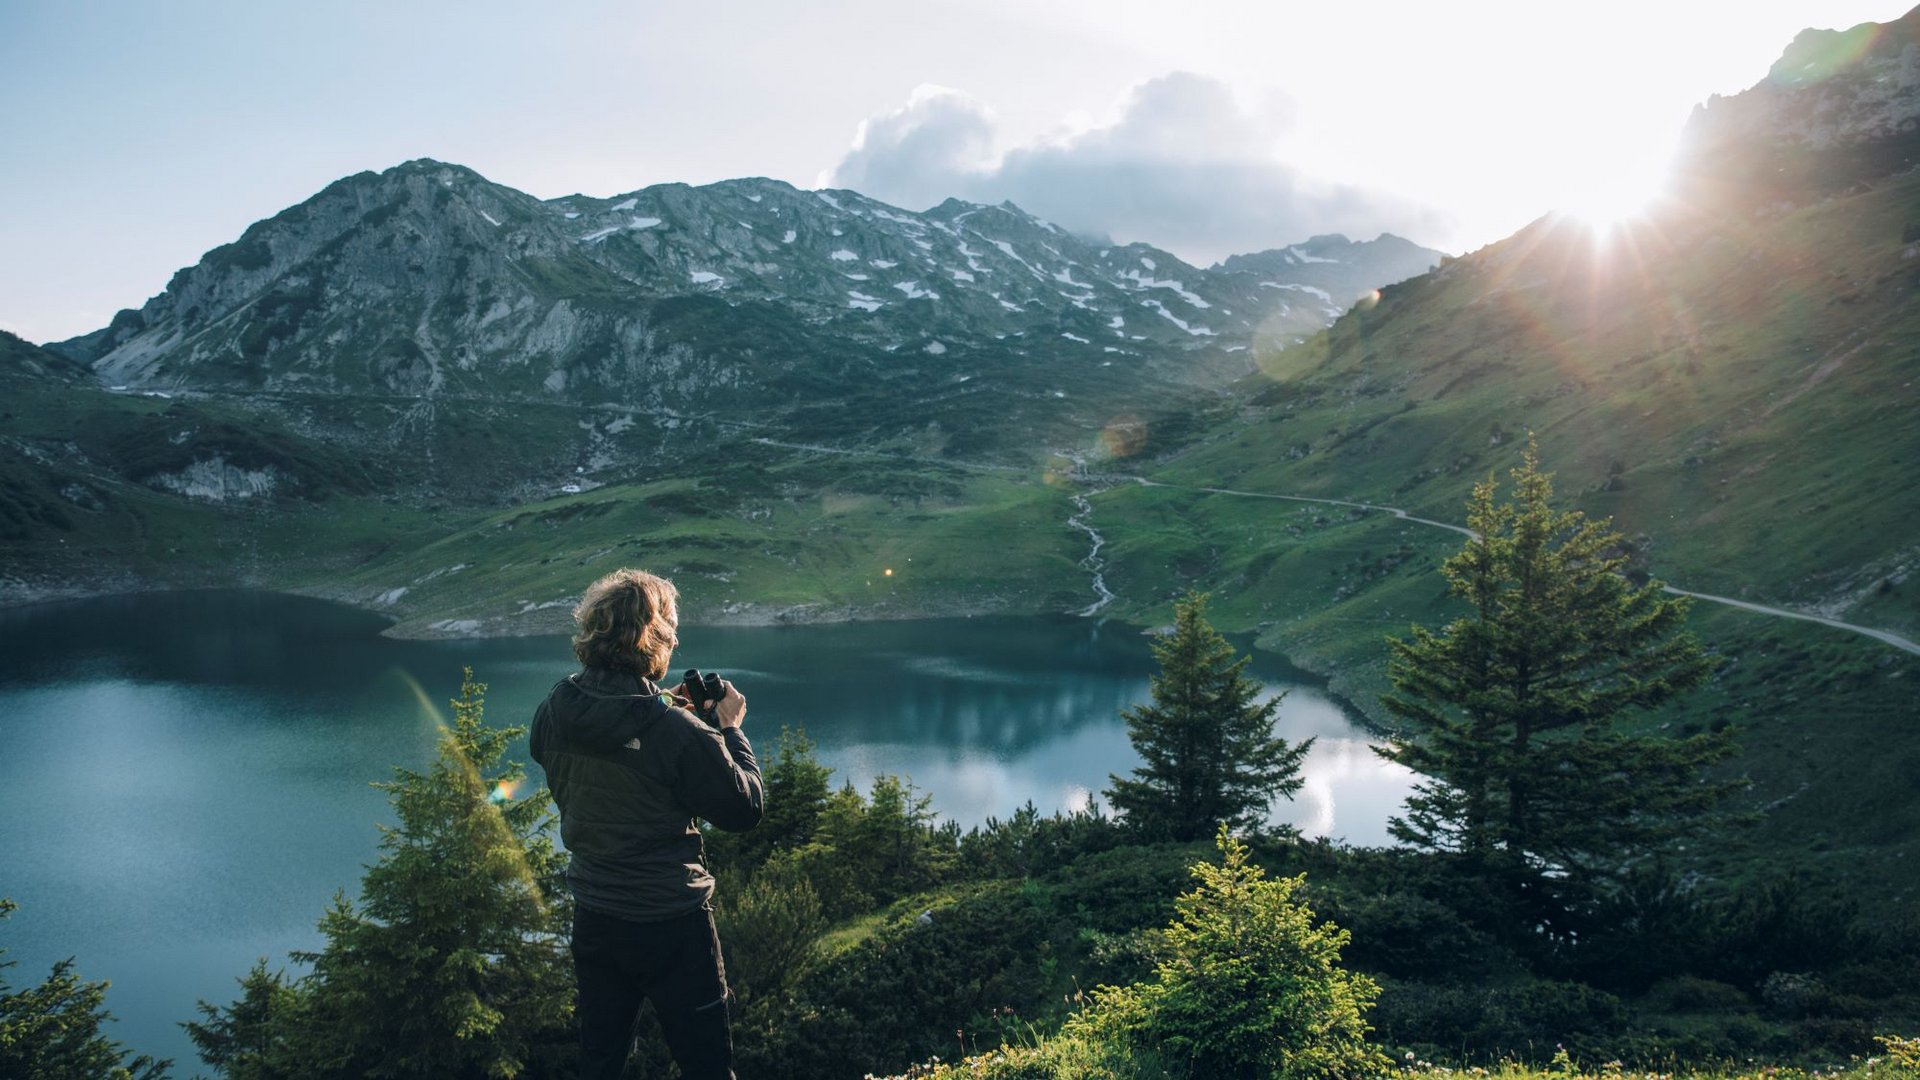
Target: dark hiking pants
x,y
676,964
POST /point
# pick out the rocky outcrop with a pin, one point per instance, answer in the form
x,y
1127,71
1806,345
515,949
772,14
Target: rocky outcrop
x,y
1839,107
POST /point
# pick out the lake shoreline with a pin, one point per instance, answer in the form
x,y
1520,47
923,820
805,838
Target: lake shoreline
x,y
556,620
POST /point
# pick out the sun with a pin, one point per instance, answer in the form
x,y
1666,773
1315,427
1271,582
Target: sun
x,y
1608,202
1616,190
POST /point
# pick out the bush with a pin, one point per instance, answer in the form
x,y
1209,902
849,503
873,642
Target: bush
x,y
1407,935
901,994
1692,994
866,853
1027,845
1249,987
1116,892
1521,1020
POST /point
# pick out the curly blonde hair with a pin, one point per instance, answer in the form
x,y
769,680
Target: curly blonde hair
x,y
626,622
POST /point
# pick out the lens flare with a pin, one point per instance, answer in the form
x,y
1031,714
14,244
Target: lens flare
x,y
1123,436
427,707
1817,55
498,793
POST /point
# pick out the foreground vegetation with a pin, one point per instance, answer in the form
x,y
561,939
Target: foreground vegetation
x,y
865,936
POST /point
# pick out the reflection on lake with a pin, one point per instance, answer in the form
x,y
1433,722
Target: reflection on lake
x,y
187,775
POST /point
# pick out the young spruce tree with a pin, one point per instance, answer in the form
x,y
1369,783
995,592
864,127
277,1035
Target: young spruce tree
x,y
1512,712
454,963
1248,986
1209,753
51,1030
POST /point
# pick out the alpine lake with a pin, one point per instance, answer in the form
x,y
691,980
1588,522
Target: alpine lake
x,y
188,776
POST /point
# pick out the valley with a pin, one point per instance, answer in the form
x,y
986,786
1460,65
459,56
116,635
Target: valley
x,y
448,402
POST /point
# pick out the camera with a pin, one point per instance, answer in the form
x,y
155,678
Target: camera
x,y
704,691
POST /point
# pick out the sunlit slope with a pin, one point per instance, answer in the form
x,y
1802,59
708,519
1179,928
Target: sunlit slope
x,y
1737,393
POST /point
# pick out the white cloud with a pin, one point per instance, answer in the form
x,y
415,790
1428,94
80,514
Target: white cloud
x,y
916,153
1184,166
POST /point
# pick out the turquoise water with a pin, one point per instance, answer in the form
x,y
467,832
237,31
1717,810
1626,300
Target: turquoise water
x,y
187,775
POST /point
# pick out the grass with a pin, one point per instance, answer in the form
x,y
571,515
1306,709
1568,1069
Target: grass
x,y
1071,1058
816,538
1734,393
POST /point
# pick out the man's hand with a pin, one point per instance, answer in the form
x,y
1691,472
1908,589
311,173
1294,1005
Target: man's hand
x,y
732,709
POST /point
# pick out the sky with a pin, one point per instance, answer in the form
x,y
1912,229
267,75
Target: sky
x,y
138,135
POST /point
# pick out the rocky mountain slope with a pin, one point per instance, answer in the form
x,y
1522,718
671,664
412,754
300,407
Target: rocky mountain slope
x,y
448,331
1837,109
428,280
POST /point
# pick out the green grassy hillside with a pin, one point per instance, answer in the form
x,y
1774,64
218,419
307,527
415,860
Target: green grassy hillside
x,y
1736,393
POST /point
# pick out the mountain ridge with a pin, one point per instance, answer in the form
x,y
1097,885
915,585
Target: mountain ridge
x,y
847,266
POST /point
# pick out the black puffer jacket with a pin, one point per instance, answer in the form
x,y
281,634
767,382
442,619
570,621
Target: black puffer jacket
x,y
630,773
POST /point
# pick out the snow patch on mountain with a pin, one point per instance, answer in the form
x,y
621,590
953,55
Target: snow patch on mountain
x,y
1147,281
1196,331
1313,289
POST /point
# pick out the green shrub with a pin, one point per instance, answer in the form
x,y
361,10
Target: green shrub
x,y
901,994
1520,1020
1690,993
1408,935
1249,986
1123,890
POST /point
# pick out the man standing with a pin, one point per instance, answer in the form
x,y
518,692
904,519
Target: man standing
x,y
631,768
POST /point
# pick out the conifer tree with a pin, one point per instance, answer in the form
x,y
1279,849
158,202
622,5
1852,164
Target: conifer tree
x,y
1247,986
1512,712
454,962
51,1030
1207,744
798,790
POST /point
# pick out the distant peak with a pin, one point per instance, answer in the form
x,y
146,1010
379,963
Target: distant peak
x,y
766,182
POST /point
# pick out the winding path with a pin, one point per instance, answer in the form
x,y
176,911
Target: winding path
x,y
1097,565
1887,637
